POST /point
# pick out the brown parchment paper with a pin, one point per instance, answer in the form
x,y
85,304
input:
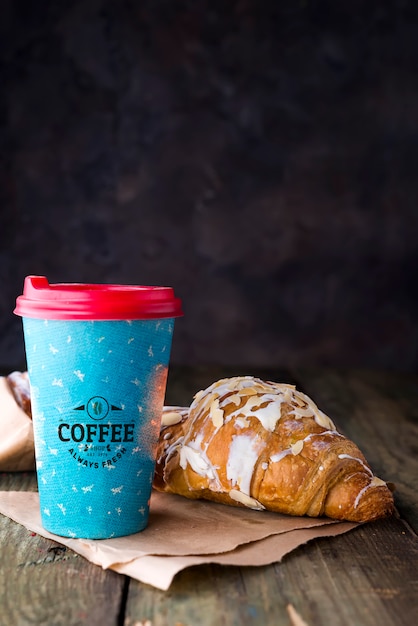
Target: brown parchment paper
x,y
182,533
16,434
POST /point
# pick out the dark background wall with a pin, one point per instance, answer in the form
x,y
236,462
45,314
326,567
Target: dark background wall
x,y
260,157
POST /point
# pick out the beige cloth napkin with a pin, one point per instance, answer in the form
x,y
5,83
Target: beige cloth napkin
x,y
180,533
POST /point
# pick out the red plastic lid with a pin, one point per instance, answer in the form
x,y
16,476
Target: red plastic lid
x,y
76,301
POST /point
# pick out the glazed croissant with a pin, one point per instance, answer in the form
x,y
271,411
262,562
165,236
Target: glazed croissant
x,y
266,445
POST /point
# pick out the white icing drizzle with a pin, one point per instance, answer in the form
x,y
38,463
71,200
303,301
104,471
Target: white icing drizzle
x,y
197,461
241,422
280,455
269,415
375,482
324,432
354,458
243,454
170,450
297,447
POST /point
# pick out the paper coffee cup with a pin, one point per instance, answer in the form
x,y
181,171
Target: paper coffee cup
x,y
97,358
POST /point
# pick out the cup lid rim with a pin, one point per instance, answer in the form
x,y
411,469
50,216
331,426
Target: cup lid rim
x,y
41,299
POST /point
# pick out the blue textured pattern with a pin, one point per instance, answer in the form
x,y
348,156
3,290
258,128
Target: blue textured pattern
x,y
97,395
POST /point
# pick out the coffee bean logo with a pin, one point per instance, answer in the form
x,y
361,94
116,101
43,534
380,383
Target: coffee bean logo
x,y
97,408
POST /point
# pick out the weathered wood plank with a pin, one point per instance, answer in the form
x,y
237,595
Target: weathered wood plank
x,y
210,596
380,413
363,577
368,576
43,583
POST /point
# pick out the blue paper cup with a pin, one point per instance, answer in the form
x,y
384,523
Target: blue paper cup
x,y
97,388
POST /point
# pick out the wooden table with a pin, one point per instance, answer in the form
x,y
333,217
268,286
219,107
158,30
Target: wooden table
x,y
368,576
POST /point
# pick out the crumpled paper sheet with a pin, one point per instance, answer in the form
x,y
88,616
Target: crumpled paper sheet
x,y
16,434
182,533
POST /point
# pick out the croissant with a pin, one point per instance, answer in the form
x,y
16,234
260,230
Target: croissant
x,y
266,445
